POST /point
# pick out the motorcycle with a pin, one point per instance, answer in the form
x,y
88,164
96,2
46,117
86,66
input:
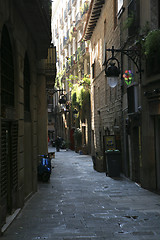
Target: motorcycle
x,y
44,168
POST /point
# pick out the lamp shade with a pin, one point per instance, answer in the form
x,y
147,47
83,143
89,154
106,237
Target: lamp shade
x,y
112,73
112,81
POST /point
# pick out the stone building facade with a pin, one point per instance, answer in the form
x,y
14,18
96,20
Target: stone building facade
x,y
105,101
130,112
24,41
150,100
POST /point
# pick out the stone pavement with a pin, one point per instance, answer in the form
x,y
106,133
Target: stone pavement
x,y
80,203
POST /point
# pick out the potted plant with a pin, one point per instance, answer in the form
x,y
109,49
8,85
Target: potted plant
x,y
78,139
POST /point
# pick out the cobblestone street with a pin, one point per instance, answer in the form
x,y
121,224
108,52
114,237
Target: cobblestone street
x,y
80,203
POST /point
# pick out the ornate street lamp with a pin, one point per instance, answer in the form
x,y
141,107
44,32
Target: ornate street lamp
x,y
112,72
112,65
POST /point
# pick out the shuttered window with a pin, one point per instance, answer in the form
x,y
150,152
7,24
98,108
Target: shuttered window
x,y
14,145
4,129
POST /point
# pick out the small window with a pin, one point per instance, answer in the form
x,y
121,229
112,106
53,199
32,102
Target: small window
x,y
120,5
105,28
93,70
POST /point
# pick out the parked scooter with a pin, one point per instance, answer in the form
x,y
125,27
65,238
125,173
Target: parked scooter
x,y
44,168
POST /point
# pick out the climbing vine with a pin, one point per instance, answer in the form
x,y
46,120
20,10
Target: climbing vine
x,y
80,94
58,80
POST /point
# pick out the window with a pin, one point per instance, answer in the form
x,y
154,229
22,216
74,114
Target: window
x,y
26,85
99,47
104,28
7,72
115,7
93,70
120,5
99,95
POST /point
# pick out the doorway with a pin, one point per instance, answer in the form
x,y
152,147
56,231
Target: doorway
x,y
9,175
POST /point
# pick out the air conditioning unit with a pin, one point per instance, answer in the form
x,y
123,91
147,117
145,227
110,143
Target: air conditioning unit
x,y
132,96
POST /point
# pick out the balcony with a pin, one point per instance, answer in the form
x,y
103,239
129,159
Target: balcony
x,y
61,49
50,107
85,49
67,66
50,67
61,23
37,15
56,33
69,7
78,18
64,42
85,7
73,2
73,31
65,15
68,34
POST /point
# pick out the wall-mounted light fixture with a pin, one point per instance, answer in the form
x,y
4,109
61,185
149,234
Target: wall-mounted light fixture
x,y
112,65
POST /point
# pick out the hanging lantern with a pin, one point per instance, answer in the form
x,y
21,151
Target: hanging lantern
x,y
62,99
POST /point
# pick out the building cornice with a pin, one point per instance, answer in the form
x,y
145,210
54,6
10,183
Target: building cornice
x,y
92,18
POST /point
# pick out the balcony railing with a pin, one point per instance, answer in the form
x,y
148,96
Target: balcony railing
x,y
78,17
65,15
61,23
67,66
68,34
50,107
85,7
69,6
73,2
83,47
64,41
56,33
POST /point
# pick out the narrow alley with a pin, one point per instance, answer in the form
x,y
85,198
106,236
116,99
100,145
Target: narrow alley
x,y
80,203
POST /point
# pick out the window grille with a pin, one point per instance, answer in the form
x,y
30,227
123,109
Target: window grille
x,y
9,145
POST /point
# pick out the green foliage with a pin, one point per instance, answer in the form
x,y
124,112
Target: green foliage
x,y
85,82
71,81
152,52
58,80
81,92
152,43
